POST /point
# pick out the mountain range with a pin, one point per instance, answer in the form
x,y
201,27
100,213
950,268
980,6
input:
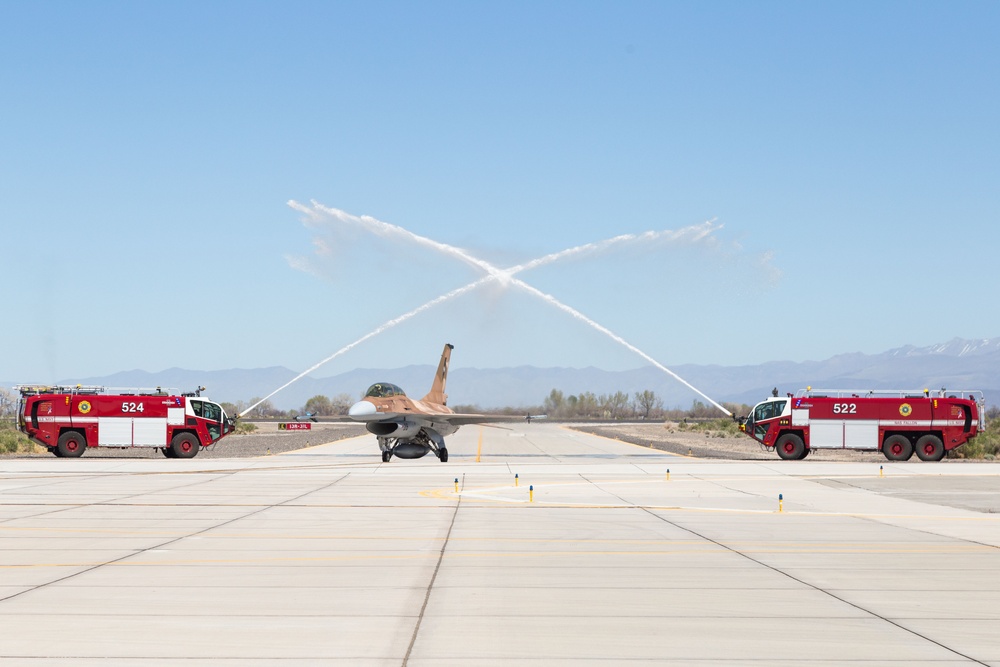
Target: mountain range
x,y
958,364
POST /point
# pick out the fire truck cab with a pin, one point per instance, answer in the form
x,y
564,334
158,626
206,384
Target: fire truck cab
x,y
900,423
68,420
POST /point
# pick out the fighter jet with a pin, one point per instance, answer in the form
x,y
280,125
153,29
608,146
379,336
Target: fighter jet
x,y
410,429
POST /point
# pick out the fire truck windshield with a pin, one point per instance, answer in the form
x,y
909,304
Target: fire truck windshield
x,y
769,410
207,410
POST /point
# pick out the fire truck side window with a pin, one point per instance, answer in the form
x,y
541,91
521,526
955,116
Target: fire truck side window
x,y
211,411
769,410
207,410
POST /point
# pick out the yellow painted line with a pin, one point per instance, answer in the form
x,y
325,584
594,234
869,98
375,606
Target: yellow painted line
x,y
623,442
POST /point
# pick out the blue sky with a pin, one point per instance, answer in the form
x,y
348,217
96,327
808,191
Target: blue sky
x,y
850,152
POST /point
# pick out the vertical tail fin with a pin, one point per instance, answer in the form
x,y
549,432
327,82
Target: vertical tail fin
x,y
436,394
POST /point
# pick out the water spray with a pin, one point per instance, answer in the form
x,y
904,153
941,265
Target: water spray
x,y
388,325
615,337
504,277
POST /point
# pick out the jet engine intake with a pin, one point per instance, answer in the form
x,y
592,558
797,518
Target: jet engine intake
x,y
403,429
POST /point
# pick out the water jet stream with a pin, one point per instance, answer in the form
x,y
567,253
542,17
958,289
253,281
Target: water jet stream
x,y
387,325
505,277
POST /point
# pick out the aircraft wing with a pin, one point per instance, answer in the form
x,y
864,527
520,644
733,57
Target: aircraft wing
x,y
457,419
378,417
452,418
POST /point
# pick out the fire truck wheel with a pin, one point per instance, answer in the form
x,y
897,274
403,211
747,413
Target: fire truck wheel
x,y
897,448
790,447
71,444
55,450
168,452
184,446
930,448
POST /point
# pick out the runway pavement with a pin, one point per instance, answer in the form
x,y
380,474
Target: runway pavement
x,y
327,556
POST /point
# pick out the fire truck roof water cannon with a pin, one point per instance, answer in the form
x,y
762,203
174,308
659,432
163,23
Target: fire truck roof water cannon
x,y
899,423
68,420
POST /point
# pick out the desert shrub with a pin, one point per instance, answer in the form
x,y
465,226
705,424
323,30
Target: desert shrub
x,y
719,428
13,441
986,445
243,428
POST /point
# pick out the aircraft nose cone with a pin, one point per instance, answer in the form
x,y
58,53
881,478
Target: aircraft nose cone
x,y
361,409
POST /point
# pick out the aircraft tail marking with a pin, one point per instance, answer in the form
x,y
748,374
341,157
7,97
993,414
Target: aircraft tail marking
x,y
436,394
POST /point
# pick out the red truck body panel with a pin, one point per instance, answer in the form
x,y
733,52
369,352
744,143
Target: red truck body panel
x,y
910,422
154,419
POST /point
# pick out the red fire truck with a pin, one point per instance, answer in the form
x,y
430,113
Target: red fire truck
x,y
899,423
68,420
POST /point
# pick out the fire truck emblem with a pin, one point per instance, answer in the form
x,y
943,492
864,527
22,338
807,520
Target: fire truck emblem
x,y
84,407
905,409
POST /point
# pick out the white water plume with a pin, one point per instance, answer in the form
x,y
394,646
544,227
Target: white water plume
x,y
505,277
390,230
615,337
694,234
388,325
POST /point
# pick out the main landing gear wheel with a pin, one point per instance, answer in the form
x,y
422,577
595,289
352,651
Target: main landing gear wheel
x,y
897,448
386,455
71,445
184,446
443,455
930,448
790,447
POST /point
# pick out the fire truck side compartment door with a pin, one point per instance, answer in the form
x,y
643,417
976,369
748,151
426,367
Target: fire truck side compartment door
x,y
114,431
175,416
861,434
800,417
149,432
826,433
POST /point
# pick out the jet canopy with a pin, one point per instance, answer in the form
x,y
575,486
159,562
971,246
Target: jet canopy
x,y
384,390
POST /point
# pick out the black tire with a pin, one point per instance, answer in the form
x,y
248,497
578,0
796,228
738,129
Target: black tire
x,y
168,452
790,447
443,455
55,451
930,448
805,453
386,455
897,448
184,446
71,444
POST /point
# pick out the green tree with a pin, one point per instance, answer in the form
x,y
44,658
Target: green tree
x,y
614,406
341,403
8,404
554,403
319,405
265,409
647,404
587,405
